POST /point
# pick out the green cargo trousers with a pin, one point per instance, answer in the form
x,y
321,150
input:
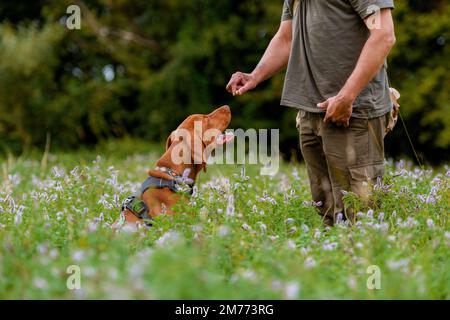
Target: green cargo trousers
x,y
341,159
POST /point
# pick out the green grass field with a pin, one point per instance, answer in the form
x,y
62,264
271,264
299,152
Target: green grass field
x,y
242,236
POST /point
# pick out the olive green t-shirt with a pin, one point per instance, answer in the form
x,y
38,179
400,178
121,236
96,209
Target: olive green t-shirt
x,y
327,39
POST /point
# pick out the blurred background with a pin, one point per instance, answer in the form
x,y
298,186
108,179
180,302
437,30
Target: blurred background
x,y
137,68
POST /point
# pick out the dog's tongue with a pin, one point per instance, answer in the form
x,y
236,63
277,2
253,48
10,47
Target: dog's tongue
x,y
224,138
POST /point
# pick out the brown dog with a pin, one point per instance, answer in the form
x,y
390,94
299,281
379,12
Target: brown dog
x,y
159,192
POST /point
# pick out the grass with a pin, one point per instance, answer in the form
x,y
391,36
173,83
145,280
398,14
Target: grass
x,y
242,236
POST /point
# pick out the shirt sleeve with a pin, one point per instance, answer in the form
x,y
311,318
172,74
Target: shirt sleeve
x,y
366,8
287,14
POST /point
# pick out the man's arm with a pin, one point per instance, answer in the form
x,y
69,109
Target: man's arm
x,y
274,59
373,55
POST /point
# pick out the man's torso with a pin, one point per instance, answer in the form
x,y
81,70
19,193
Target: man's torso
x,y
327,40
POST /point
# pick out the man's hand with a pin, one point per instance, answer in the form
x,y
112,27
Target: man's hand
x,y
338,109
241,83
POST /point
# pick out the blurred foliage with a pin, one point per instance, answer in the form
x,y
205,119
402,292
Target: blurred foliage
x,y
137,68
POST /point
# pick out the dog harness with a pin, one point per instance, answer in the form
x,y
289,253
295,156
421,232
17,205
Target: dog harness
x,y
139,208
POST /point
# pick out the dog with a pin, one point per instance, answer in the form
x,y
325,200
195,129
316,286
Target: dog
x,y
165,184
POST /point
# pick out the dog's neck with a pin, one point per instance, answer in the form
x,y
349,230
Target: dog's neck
x,y
179,169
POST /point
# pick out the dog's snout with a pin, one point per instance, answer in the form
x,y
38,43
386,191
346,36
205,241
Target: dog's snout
x,y
223,109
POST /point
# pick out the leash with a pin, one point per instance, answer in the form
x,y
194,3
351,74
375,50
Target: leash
x,y
410,141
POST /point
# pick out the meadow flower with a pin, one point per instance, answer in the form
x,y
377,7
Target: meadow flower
x,y
339,218
230,206
74,172
295,174
305,228
276,284
223,231
292,230
249,275
397,264
78,255
317,234
410,222
18,218
381,216
42,248
310,262
89,271
12,204
167,237
53,253
56,172
59,215
430,223
40,283
112,181
291,290
14,179
262,226
246,227
197,228
330,246
243,176
136,271
359,245
289,220
370,213
254,208
359,214
352,283
305,250
291,244
194,191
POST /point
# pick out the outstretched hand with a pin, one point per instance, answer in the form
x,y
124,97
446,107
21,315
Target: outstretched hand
x,y
241,83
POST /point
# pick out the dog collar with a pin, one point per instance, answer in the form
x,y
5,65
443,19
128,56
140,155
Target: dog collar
x,y
167,170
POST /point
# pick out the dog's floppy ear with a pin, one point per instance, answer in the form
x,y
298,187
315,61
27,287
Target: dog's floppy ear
x,y
169,141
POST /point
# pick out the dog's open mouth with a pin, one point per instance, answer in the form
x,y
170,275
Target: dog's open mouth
x,y
224,138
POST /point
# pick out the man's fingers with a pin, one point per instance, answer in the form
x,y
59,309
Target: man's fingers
x,y
323,105
235,79
228,86
232,79
246,87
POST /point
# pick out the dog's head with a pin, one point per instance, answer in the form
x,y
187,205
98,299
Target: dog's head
x,y
190,145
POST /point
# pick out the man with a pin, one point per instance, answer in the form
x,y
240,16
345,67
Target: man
x,y
335,52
